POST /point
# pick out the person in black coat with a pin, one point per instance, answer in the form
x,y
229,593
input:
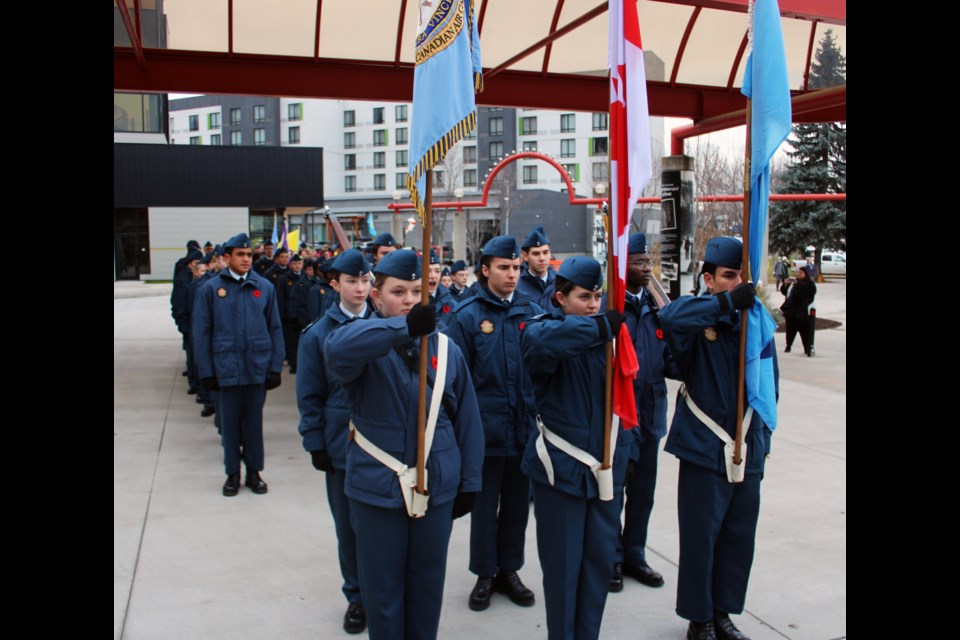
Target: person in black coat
x,y
800,294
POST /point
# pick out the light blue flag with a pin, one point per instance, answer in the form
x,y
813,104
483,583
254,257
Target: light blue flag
x,y
765,83
371,231
447,75
274,238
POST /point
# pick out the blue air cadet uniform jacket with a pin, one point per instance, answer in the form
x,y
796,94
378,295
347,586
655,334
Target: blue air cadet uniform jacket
x,y
377,362
243,342
705,343
535,288
488,331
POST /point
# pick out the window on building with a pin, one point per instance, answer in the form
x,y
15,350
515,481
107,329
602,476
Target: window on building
x,y
401,135
469,178
573,170
378,115
496,126
379,182
293,135
496,150
528,126
259,113
600,173
438,177
401,181
215,139
350,161
236,138
380,137
349,183
600,122
472,135
349,140
400,113
235,116
194,123
402,158
598,146
260,136
568,148
349,118
379,159
568,123
295,111
142,112
213,120
529,145
195,140
470,155
530,174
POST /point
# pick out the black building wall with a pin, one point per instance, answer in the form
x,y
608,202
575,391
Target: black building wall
x,y
566,225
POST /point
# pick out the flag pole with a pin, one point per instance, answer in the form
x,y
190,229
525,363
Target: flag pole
x,y
745,276
611,304
424,342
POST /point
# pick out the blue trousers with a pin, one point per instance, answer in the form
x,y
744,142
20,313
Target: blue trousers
x,y
241,416
718,527
498,523
291,340
638,490
193,379
576,540
403,564
346,540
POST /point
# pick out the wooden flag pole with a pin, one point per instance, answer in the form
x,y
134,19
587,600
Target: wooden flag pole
x,y
424,342
611,304
744,276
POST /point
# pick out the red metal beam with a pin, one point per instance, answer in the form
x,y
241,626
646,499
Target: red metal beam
x,y
230,28
553,27
818,106
254,74
806,66
736,61
132,32
587,17
316,32
403,11
683,44
829,11
136,15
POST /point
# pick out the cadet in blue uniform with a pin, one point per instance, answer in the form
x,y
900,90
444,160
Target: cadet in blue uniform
x,y
325,418
650,389
321,296
286,284
265,262
203,270
487,327
718,519
537,277
576,530
402,560
439,296
382,245
458,274
180,310
238,343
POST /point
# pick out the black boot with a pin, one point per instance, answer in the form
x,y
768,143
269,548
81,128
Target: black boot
x,y
232,486
255,482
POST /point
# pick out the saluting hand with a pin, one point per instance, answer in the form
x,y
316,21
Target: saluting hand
x,y
421,321
742,295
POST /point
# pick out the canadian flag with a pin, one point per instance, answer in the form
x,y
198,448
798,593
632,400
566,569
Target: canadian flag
x,y
630,170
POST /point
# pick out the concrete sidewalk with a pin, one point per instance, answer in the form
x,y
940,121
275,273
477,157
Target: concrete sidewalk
x,y
189,563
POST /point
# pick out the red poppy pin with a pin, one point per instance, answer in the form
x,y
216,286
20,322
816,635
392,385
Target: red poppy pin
x,y
522,325
256,293
446,309
433,362
659,334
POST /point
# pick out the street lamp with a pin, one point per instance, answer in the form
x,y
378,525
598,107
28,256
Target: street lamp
x,y
506,215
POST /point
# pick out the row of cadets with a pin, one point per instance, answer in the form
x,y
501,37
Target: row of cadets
x,y
401,559
285,284
325,417
487,327
184,271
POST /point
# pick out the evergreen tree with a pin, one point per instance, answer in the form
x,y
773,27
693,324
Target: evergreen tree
x,y
817,164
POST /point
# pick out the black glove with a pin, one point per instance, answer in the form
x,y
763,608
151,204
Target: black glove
x,y
742,295
210,384
631,469
615,318
321,461
273,380
463,504
421,321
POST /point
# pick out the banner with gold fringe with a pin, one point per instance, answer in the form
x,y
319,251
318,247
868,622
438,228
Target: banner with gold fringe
x,y
447,75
